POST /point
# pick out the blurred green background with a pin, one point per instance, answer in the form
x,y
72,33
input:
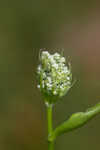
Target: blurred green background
x,y
26,26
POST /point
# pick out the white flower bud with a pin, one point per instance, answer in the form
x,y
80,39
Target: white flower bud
x,y
62,60
54,76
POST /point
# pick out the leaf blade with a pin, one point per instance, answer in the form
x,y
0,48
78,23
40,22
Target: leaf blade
x,y
75,121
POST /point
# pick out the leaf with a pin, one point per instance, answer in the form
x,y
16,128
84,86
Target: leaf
x,y
75,121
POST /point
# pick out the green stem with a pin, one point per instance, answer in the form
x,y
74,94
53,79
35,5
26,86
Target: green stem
x,y
49,117
50,145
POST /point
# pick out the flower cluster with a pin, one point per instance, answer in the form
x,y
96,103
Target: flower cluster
x,y
54,76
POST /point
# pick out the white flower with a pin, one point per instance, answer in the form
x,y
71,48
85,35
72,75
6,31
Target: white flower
x,y
57,55
51,59
49,86
55,66
54,75
44,75
68,78
38,86
55,92
39,69
62,60
49,79
65,70
45,53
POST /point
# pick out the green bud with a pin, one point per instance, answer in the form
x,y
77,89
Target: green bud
x,y
54,76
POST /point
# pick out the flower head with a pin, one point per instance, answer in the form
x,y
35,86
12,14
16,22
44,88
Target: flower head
x,y
55,77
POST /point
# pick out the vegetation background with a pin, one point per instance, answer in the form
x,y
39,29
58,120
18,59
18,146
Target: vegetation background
x,y
26,26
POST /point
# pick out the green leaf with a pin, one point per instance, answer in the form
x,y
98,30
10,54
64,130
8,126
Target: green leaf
x,y
75,121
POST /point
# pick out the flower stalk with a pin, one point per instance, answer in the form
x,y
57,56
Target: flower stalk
x,y
50,128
